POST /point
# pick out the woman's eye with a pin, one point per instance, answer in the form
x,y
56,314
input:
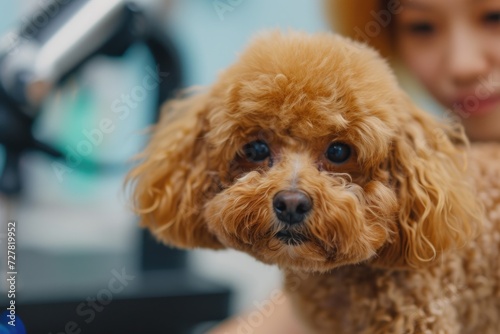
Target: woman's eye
x,y
421,28
492,18
338,152
256,151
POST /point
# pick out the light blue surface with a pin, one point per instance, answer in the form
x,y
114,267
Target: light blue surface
x,y
9,10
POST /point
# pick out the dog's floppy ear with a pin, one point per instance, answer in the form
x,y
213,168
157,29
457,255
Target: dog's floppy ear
x,y
438,209
172,181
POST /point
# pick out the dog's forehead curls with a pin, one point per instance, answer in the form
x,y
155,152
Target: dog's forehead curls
x,y
297,85
305,153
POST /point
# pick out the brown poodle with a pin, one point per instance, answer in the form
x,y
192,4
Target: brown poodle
x,y
307,154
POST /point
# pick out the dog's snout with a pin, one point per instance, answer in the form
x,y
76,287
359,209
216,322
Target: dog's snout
x,y
291,206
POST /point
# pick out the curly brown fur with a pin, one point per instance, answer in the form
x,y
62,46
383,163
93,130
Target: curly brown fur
x,y
391,243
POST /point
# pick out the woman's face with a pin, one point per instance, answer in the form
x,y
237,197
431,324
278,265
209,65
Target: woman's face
x,y
453,47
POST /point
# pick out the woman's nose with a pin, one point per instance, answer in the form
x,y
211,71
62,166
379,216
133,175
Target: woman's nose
x,y
467,60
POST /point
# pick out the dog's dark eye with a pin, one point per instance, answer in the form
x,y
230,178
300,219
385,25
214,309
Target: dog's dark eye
x,y
338,152
256,151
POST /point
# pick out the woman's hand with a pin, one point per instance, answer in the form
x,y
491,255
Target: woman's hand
x,y
281,320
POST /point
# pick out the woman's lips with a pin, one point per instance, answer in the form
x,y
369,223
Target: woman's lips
x,y
470,105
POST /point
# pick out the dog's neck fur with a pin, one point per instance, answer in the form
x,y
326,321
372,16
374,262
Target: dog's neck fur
x,y
353,299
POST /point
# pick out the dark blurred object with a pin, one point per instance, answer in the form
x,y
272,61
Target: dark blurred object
x,y
108,294
39,60
166,298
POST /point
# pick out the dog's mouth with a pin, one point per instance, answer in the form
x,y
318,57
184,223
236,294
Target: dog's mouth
x,y
291,238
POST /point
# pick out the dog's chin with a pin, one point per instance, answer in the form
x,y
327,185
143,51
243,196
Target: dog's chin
x,y
291,238
291,250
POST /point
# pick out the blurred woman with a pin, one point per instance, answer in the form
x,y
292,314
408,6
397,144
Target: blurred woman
x,y
452,47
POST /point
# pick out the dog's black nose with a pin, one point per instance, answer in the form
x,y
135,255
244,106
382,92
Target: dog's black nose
x,y
291,206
